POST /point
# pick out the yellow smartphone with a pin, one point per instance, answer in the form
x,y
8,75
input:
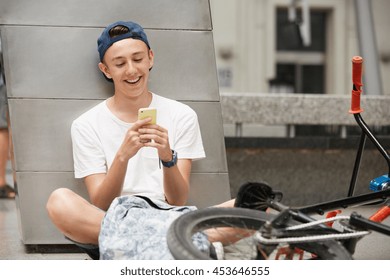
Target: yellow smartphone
x,y
144,113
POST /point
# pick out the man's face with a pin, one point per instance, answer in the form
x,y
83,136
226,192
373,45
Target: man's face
x,y
127,63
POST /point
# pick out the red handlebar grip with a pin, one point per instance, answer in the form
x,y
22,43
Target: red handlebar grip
x,y
357,69
357,63
381,214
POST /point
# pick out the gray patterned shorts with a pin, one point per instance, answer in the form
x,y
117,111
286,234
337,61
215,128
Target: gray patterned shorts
x,y
135,227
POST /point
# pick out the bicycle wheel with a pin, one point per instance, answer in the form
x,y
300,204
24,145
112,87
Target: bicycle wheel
x,y
239,225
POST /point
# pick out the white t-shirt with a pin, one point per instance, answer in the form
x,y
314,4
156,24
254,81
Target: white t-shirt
x,y
98,134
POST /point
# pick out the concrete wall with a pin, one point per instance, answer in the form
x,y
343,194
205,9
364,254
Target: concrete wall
x,y
304,175
308,169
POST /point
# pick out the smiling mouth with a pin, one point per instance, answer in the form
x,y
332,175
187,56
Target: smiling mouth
x,y
132,82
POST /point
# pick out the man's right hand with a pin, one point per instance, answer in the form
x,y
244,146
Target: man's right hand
x,y
132,142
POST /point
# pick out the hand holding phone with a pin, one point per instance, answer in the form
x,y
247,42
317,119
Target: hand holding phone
x,y
144,113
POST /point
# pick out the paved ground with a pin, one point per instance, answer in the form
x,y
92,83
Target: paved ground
x,y
12,247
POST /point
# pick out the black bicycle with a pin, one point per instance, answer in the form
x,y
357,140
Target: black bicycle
x,y
288,232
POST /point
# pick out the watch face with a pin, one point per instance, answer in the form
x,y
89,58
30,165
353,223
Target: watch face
x,y
172,162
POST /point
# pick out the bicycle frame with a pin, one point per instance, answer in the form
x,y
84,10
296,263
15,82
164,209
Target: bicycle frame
x,y
364,199
382,190
357,69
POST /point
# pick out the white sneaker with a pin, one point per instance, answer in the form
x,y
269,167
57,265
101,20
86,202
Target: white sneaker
x,y
219,251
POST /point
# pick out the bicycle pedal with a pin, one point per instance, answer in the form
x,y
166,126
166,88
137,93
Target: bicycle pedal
x,y
332,214
381,183
288,253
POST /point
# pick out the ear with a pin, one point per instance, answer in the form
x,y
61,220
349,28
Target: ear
x,y
104,70
151,59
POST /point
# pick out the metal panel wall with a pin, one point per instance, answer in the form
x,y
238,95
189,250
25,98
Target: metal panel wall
x,y
35,187
52,77
61,62
45,125
158,14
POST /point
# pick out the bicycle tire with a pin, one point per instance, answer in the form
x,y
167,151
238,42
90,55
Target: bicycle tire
x,y
179,236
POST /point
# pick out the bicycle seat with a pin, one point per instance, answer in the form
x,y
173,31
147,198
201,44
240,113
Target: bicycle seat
x,y
256,195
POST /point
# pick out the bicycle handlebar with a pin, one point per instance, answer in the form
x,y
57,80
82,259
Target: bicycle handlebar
x,y
357,69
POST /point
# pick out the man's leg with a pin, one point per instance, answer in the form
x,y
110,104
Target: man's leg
x,y
251,195
226,204
4,140
6,191
74,216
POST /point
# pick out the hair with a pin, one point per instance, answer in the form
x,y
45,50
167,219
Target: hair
x,y
114,32
118,30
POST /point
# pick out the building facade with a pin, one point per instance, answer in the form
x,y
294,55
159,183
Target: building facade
x,y
259,50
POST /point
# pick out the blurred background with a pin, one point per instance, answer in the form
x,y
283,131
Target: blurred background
x,y
271,48
261,48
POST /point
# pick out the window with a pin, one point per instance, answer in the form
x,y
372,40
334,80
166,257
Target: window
x,y
299,68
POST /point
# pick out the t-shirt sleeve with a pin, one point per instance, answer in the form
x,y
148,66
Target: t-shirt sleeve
x,y
88,155
189,144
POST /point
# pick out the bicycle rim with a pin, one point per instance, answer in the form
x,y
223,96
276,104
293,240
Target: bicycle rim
x,y
224,221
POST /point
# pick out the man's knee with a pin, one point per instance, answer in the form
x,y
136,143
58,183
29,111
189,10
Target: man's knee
x,y
58,201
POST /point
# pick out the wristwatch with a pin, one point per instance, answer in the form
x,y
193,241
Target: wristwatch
x,y
171,162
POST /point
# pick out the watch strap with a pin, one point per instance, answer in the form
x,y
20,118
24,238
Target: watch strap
x,y
172,162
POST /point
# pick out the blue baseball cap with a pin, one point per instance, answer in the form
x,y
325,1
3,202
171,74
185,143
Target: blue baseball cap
x,y
135,31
